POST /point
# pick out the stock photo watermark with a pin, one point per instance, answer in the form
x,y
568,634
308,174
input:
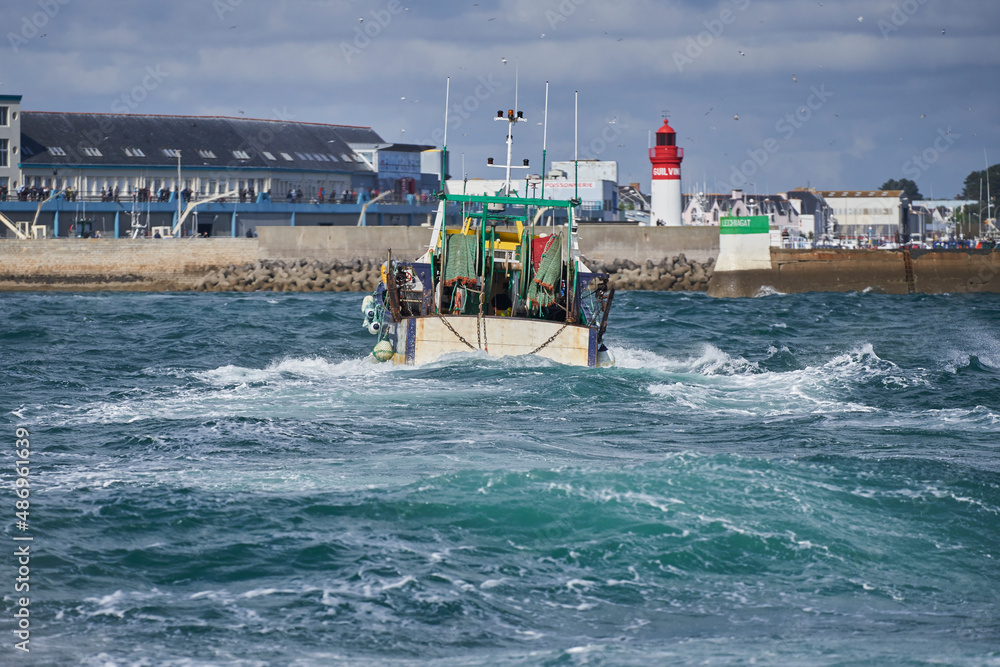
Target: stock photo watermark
x,y
366,32
125,103
461,111
786,127
901,15
714,29
21,539
566,8
917,165
32,24
597,146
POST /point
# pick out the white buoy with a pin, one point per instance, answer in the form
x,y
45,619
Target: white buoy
x,y
368,304
383,350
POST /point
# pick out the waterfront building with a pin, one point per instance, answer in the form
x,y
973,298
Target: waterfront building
x,y
870,214
274,169
814,213
10,141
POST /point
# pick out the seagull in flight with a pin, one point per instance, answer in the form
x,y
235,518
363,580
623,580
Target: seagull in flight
x,y
736,116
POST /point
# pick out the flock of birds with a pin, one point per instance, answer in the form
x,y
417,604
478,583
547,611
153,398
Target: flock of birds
x,y
504,61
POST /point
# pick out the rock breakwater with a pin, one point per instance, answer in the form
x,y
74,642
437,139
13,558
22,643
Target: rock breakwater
x,y
362,275
674,274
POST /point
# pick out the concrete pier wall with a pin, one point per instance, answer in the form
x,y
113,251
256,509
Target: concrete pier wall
x,y
116,264
889,272
602,243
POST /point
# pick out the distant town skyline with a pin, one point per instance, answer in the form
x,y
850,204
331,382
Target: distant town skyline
x,y
767,95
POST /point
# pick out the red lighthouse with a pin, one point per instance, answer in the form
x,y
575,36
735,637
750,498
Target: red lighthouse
x,y
665,191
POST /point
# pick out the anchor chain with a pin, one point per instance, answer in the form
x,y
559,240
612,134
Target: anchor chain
x,y
457,335
483,343
551,338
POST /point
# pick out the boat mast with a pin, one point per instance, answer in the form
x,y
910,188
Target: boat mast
x,y
444,146
986,162
512,117
576,144
545,135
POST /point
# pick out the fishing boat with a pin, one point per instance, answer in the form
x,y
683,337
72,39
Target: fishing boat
x,y
503,284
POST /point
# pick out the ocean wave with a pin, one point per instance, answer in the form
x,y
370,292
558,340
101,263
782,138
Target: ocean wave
x,y
711,361
719,382
767,290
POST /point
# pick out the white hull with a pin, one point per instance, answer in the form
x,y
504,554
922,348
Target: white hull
x,y
421,340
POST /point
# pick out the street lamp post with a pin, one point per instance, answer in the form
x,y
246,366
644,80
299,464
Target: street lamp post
x,y
178,185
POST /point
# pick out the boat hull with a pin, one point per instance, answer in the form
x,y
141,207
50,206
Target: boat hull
x,y
421,340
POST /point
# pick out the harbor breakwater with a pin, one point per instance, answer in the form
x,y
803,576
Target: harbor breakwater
x,y
345,258
320,258
669,274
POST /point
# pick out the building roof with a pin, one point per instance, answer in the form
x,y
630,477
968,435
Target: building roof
x,y
61,139
895,194
811,201
407,148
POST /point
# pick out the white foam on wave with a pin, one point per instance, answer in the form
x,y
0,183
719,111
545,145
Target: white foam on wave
x,y
119,603
308,368
978,343
285,388
727,384
711,361
767,290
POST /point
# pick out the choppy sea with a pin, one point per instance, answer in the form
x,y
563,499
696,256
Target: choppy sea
x,y
227,479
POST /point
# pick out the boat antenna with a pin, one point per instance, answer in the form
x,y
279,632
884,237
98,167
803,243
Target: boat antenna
x,y
513,116
545,135
444,146
516,61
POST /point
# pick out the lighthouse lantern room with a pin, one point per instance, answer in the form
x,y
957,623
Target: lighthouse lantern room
x,y
665,191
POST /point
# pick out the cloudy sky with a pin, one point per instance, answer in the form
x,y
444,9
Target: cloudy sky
x,y
832,94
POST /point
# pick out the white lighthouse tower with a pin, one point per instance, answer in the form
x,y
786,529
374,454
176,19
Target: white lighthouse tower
x,y
665,191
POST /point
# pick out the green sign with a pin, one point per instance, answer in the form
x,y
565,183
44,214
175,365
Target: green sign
x,y
754,224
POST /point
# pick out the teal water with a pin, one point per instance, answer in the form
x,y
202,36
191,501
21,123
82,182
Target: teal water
x,y
225,479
